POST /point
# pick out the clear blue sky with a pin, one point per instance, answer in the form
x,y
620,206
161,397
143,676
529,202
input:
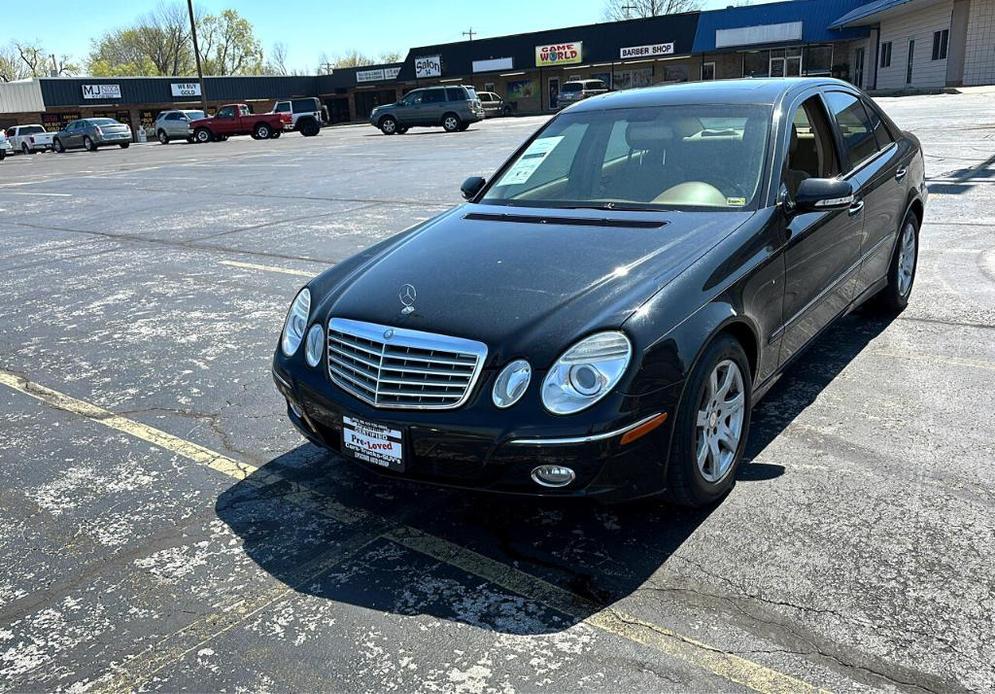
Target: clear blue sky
x,y
312,27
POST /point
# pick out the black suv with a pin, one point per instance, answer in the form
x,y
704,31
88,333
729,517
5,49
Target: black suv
x,y
453,107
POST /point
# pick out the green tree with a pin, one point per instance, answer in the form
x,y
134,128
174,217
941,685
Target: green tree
x,y
159,43
228,45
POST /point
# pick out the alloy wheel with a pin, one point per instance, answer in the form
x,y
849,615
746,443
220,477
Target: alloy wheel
x,y
719,423
906,259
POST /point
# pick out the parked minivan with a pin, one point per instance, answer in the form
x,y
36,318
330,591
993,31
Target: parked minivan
x,y
453,107
578,90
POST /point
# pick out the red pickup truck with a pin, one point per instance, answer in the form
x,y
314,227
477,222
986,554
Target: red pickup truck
x,y
237,119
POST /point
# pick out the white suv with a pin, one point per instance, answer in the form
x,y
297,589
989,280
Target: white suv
x,y
307,114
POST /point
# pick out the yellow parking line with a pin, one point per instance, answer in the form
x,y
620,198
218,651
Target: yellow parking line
x,y
731,667
268,268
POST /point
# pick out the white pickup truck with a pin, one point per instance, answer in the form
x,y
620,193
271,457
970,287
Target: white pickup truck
x,y
29,139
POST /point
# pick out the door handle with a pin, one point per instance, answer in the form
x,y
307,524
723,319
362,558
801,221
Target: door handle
x,y
900,174
855,207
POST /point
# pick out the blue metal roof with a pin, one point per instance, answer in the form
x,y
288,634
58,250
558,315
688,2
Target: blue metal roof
x,y
815,15
861,14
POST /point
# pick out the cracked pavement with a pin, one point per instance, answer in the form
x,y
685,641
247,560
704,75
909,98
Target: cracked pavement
x,y
855,552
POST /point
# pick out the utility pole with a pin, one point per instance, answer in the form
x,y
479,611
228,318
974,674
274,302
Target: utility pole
x,y
196,55
470,33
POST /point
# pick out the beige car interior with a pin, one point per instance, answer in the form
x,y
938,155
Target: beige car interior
x,y
811,153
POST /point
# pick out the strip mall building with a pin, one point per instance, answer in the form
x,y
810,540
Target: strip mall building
x,y
877,45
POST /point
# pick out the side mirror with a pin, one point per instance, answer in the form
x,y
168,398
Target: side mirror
x,y
471,187
823,194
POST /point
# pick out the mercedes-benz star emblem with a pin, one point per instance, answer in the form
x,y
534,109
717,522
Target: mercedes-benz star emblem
x,y
407,295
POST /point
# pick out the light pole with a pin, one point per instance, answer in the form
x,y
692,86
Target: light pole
x,y
196,55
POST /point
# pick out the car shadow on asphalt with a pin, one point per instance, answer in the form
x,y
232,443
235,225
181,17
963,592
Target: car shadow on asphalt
x,y
299,515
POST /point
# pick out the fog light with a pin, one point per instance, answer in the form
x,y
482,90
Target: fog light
x,y
295,408
553,475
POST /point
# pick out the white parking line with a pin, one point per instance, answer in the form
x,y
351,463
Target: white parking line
x,y
47,195
734,668
267,268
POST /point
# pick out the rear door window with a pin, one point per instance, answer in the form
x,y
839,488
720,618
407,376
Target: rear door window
x,y
854,125
882,133
433,96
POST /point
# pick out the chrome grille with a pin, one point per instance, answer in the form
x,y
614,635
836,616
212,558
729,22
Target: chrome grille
x,y
399,368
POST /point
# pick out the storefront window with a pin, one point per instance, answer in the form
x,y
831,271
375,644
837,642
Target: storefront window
x,y
675,73
756,64
818,60
635,77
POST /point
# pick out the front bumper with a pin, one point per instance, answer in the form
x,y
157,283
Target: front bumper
x,y
476,448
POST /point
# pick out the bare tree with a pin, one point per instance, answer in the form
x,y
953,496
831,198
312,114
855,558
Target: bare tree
x,y
164,36
616,10
22,60
276,64
12,68
356,58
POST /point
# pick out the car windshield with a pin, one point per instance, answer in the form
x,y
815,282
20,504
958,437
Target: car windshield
x,y
642,158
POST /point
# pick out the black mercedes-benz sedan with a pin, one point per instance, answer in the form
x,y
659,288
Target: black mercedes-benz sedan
x,y
601,315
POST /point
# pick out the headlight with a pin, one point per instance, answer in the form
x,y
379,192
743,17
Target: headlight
x,y
293,328
512,383
314,345
586,372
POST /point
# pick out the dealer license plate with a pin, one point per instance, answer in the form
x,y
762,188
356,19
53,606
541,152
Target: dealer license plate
x,y
373,443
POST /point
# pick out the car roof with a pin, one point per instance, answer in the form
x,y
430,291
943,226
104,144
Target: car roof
x,y
767,91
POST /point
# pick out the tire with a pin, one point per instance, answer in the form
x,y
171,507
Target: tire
x,y
3,154
162,137
88,144
308,127
464,126
451,123
388,125
124,145
191,140
695,475
203,135
401,130
25,149
262,131
275,135
893,299
57,146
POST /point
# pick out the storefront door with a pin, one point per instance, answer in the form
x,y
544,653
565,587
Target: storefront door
x,y
858,67
786,62
554,93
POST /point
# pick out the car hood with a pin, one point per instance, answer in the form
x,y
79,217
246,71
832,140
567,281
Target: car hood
x,y
522,280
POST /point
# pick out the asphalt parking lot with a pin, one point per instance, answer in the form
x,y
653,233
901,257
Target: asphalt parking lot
x,y
164,527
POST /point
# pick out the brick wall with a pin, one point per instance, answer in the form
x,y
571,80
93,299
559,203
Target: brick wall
x,y
979,53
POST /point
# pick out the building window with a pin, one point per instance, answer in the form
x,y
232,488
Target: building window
x,y
756,64
818,60
886,54
912,58
940,44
